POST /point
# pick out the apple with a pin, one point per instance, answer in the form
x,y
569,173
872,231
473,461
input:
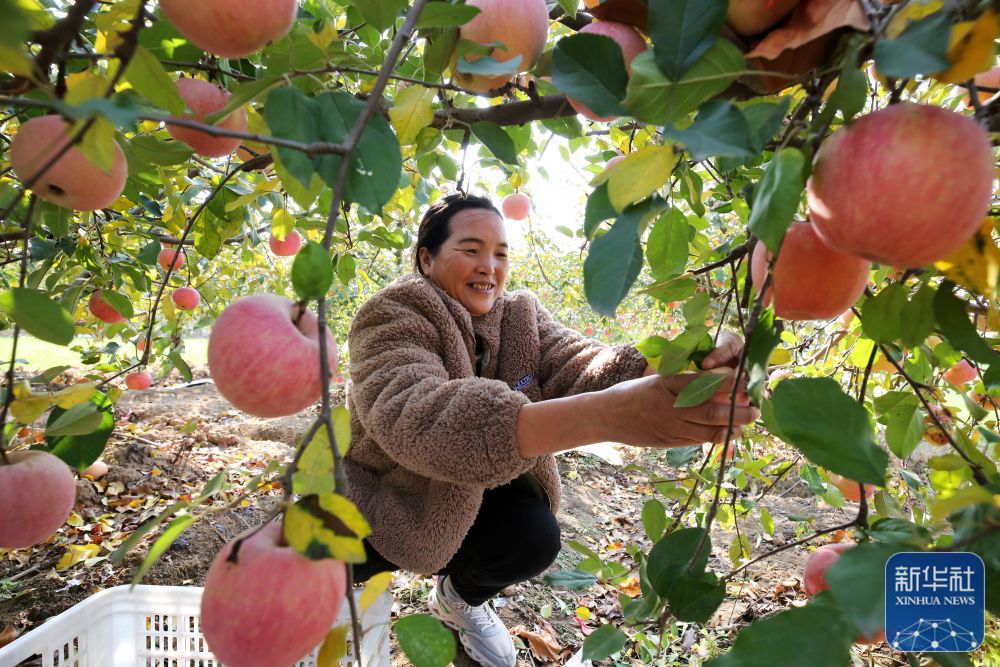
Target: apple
x,y
288,246
272,606
903,186
203,98
186,298
37,492
73,181
629,12
102,310
752,17
231,28
170,256
265,363
139,381
850,489
961,373
814,576
613,161
989,79
516,206
95,470
521,25
631,43
811,280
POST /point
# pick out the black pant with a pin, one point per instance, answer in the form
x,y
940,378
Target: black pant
x,y
515,537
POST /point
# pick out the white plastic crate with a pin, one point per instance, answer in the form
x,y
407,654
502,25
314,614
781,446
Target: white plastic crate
x,y
159,626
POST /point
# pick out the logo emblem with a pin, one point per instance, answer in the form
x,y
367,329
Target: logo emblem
x,y
524,381
935,601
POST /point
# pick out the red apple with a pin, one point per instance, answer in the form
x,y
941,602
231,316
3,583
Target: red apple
x,y
516,206
961,373
903,186
139,381
102,310
265,363
850,489
288,246
521,25
204,98
989,79
231,28
810,281
73,181
273,605
37,492
818,563
631,43
752,17
186,298
170,256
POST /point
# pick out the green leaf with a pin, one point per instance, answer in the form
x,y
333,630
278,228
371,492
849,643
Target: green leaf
x,y
496,140
766,336
830,428
603,642
80,450
489,66
776,197
380,14
904,427
437,53
425,641
683,31
653,98
37,314
119,302
149,79
720,129
136,536
150,252
574,580
445,15
312,271
591,69
852,86
954,321
667,245
173,531
699,390
922,48
654,519
857,582
377,163
291,115
598,210
882,314
151,150
78,420
818,630
918,317
615,259
692,592
900,531
182,367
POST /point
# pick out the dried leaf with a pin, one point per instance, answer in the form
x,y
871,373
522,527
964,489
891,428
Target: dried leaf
x,y
7,635
809,21
77,553
543,645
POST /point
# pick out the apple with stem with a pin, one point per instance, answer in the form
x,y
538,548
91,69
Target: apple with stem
x,y
186,298
102,310
204,98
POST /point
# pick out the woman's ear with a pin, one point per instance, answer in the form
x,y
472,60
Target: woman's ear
x,y
425,260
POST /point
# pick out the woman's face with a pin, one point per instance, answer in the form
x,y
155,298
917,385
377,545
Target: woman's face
x,y
471,265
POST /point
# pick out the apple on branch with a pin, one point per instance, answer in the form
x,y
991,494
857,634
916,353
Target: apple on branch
x,y
204,98
231,28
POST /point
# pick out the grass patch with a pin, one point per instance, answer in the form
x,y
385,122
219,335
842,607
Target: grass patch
x,y
37,355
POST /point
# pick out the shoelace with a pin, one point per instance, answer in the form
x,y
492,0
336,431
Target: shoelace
x,y
479,615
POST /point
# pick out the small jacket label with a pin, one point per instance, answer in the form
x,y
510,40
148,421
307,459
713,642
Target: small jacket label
x,y
524,382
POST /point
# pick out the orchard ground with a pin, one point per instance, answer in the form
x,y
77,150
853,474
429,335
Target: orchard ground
x,y
172,439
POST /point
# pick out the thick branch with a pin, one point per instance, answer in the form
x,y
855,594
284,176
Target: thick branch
x,y
512,113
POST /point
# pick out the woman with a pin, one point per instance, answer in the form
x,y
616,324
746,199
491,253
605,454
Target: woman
x,y
460,395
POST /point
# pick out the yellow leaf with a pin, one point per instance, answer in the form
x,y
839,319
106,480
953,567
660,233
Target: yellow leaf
x,y
334,647
779,357
314,473
976,265
77,553
328,526
74,520
583,613
639,175
411,112
27,410
98,143
282,223
341,428
167,308
22,389
374,589
83,86
15,61
970,49
972,495
74,395
324,37
913,11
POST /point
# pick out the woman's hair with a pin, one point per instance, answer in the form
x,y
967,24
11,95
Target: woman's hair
x,y
435,227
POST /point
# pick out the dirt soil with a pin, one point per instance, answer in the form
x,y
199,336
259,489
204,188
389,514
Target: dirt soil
x,y
169,442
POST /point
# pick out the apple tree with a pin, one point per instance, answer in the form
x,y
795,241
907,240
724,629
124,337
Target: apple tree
x,y
816,174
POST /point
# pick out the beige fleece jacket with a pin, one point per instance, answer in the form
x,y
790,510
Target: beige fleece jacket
x,y
428,435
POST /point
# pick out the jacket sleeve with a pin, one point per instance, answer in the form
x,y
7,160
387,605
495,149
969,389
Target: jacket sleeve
x,y
456,430
572,363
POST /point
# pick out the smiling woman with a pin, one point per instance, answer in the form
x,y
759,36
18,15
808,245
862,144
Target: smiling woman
x,y
460,395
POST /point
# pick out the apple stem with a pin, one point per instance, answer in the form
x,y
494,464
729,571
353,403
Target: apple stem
x,y
301,307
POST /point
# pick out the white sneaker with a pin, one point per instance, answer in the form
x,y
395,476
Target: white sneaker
x,y
480,630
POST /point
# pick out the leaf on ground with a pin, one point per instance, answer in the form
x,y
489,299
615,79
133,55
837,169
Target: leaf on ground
x,y
544,645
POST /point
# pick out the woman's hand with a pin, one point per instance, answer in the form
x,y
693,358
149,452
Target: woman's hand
x,y
641,412
728,349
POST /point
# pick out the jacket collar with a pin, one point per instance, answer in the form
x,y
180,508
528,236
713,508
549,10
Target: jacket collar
x,y
486,326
